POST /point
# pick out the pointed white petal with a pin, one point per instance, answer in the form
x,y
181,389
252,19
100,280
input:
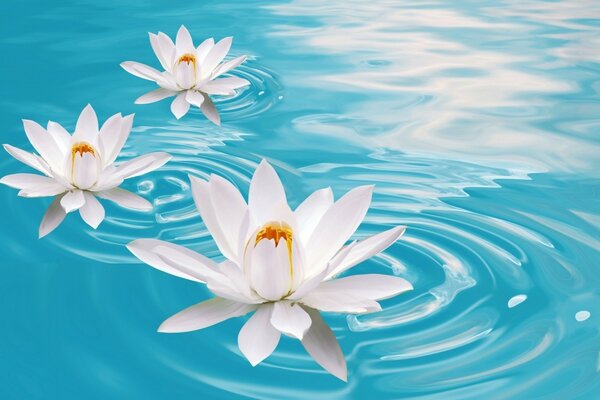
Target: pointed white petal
x,y
257,338
27,181
179,106
323,347
163,57
290,319
370,286
126,199
365,249
310,211
44,144
183,41
333,301
167,49
194,98
112,139
203,50
86,129
154,96
216,55
238,281
210,111
107,180
266,194
92,211
202,194
223,86
32,160
72,200
142,164
337,225
205,314
109,134
174,259
270,270
86,169
228,66
54,215
60,136
141,71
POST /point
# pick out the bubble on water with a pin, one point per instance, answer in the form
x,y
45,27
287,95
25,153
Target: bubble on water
x,y
145,187
516,300
582,315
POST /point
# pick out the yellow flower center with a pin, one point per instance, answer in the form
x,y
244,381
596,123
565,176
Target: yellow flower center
x,y
187,58
82,148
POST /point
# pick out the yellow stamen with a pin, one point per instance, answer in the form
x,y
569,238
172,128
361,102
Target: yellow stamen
x,y
82,148
187,58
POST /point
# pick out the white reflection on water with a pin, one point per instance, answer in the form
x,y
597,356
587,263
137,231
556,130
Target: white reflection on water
x,y
487,85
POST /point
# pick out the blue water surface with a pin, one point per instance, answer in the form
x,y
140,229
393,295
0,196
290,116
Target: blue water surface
x,y
478,121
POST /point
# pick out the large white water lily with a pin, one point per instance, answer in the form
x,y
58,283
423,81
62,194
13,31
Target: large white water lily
x,y
280,264
79,168
190,73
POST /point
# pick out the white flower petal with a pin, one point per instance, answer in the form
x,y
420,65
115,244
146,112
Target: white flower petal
x,y
53,216
173,259
112,140
72,200
27,181
310,211
228,66
365,249
370,286
323,347
141,71
167,48
229,208
142,164
194,98
179,106
270,269
44,144
154,96
290,319
337,225
210,111
202,194
86,129
267,196
86,169
257,338
205,314
126,199
92,211
183,41
185,74
108,179
164,57
223,86
340,302
60,136
30,159
238,281
203,50
108,134
215,56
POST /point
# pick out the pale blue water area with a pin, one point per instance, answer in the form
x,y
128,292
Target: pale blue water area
x,y
478,122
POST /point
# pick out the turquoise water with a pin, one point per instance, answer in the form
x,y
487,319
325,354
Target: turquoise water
x,y
477,121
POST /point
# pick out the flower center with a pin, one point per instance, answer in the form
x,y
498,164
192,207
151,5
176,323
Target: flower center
x,y
82,148
275,231
187,58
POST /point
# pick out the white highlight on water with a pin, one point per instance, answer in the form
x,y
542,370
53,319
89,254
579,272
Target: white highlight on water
x,y
516,300
582,315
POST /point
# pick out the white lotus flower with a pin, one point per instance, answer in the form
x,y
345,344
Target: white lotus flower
x,y
79,168
190,73
281,264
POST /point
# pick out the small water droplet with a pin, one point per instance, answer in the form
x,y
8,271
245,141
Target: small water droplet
x,y
145,187
582,315
516,300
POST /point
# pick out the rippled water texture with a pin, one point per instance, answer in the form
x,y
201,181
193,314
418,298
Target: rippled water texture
x,y
477,121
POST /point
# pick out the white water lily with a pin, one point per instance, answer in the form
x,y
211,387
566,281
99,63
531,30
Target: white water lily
x,y
280,264
190,73
80,167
